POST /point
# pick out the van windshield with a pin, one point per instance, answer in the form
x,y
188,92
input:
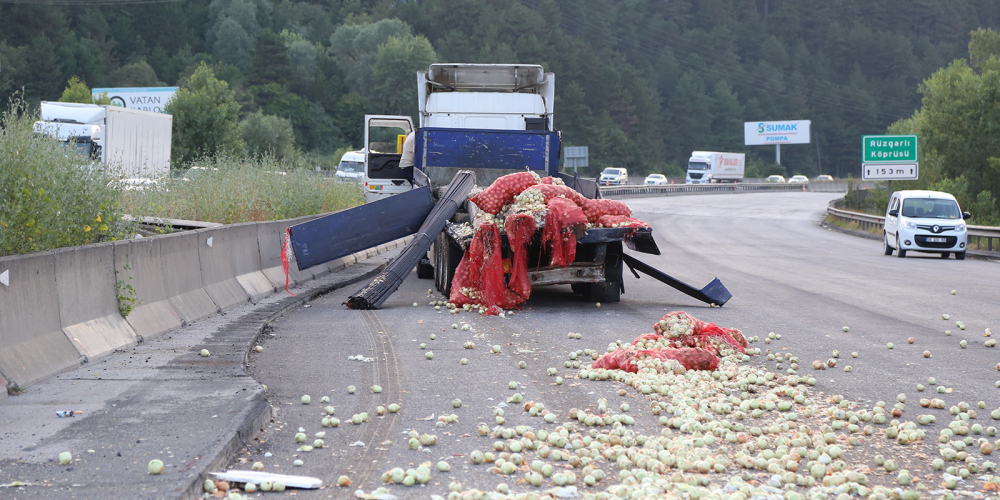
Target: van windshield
x,y
929,208
612,171
351,166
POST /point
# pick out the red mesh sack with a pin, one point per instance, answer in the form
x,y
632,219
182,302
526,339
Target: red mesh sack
x,y
503,191
621,359
692,359
550,191
595,209
684,330
520,230
626,359
620,221
552,180
563,222
461,285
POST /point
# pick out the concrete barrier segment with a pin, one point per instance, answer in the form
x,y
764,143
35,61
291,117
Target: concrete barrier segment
x,y
218,270
179,259
246,261
32,343
89,302
137,264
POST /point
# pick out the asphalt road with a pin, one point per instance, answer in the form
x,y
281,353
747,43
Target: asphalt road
x,y
787,275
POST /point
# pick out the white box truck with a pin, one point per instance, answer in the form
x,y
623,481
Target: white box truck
x,y
705,167
134,141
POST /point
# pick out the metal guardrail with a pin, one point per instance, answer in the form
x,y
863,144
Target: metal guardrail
x,y
980,237
667,190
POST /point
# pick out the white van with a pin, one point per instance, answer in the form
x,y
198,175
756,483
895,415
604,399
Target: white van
x,y
613,176
925,221
352,166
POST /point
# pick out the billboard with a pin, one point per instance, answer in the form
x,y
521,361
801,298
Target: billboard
x,y
143,98
766,133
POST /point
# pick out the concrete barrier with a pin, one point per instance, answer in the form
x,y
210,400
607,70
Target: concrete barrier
x,y
179,260
61,308
245,258
137,263
88,305
216,248
32,343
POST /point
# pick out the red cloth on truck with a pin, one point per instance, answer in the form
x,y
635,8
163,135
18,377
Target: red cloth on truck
x,y
563,222
479,278
520,230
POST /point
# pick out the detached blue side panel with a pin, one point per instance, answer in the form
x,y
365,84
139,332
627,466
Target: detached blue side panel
x,y
488,149
355,229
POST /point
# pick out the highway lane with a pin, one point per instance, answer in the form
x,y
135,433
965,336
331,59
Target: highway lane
x,y
787,275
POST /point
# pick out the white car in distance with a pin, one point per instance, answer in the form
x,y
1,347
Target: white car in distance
x,y
798,179
775,178
925,221
656,180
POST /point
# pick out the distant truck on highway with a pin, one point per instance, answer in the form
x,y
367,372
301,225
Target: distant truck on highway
x,y
706,167
134,141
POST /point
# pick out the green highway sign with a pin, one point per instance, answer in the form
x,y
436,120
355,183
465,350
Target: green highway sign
x,y
890,149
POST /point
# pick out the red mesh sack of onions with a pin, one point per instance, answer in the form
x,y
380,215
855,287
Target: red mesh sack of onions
x,y
620,221
595,209
520,230
479,278
550,191
463,291
503,191
562,223
627,359
551,180
683,330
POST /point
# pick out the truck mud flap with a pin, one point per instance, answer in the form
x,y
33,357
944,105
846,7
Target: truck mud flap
x,y
375,293
713,293
355,229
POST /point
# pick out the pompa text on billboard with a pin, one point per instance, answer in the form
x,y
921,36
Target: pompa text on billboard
x,y
776,138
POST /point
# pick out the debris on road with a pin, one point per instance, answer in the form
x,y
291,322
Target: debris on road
x,y
255,477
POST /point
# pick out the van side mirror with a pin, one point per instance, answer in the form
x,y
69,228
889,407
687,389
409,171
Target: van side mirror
x,y
966,216
894,212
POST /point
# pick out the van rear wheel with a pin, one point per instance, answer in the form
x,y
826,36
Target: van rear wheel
x,y
886,248
945,255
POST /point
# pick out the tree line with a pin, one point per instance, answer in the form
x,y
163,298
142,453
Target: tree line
x,y
641,82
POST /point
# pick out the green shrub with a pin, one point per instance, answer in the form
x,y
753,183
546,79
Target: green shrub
x,y
49,196
267,135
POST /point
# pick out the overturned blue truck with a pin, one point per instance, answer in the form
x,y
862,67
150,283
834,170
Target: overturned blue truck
x,y
477,123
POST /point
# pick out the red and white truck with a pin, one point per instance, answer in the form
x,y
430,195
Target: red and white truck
x,y
706,167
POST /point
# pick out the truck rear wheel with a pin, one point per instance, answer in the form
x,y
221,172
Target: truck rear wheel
x,y
610,290
447,255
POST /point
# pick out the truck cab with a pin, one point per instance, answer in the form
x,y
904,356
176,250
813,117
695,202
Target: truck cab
x,y
493,118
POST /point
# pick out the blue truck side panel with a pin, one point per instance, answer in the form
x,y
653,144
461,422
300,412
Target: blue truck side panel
x,y
487,149
348,231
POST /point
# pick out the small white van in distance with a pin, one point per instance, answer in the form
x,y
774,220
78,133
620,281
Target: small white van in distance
x,y
924,221
352,166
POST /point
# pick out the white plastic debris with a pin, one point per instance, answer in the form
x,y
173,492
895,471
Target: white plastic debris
x,y
247,476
